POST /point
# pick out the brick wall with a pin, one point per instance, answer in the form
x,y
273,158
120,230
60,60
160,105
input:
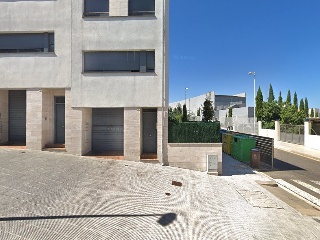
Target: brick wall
x,y
78,128
40,117
118,7
132,133
73,127
34,119
162,134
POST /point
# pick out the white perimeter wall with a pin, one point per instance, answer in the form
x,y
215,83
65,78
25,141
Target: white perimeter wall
x,y
310,141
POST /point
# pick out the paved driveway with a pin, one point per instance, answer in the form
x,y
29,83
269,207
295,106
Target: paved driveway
x,y
58,196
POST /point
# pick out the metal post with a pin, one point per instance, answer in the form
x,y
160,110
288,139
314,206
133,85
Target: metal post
x,y
254,101
254,105
185,96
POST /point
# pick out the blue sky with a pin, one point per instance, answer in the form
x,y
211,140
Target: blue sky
x,y
215,43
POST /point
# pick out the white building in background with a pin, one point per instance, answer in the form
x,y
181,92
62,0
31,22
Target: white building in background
x,y
90,75
219,102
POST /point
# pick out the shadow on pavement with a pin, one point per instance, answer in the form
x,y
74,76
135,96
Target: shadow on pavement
x,y
168,218
284,166
164,220
230,167
279,165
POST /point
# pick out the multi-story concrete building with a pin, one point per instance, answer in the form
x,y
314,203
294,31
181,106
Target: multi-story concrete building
x,y
90,74
219,102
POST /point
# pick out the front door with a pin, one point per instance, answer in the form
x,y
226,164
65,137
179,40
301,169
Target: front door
x,y
149,131
59,120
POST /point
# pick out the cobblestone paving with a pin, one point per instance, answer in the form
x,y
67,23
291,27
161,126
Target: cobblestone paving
x,y
58,196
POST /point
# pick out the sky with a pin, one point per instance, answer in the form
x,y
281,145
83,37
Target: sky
x,y
215,43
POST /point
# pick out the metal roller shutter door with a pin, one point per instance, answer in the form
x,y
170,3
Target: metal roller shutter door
x,y
107,129
17,116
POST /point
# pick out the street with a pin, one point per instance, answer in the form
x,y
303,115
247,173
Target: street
x,y
298,171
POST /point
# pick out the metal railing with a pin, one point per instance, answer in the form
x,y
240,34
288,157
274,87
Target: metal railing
x,y
96,14
141,13
292,133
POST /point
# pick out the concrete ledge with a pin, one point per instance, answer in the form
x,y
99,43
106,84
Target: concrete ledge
x,y
193,156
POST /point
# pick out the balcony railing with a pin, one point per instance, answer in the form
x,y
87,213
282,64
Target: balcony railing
x,y
25,50
141,13
96,14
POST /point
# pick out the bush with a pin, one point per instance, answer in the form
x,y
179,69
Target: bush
x,y
194,132
268,125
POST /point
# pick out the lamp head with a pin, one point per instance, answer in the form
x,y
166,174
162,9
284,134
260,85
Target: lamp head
x,y
252,73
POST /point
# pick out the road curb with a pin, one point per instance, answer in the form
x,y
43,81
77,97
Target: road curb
x,y
299,154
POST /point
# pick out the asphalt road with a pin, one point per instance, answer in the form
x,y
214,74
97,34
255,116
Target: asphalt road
x,y
302,172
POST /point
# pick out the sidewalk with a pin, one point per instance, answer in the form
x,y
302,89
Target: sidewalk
x,y
48,195
298,149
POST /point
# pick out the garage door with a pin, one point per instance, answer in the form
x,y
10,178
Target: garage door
x,y
17,116
107,129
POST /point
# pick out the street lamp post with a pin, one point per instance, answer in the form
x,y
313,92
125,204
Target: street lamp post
x,y
254,100
185,96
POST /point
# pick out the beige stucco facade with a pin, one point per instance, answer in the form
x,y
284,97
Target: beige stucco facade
x,y
44,76
194,155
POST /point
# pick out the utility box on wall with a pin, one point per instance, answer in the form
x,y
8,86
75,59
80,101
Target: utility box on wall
x,y
212,163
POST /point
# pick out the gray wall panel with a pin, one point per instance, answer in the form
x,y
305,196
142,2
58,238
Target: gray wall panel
x,y
17,116
107,129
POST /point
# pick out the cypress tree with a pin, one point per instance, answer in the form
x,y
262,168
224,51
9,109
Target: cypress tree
x,y
259,104
271,95
184,114
295,101
288,101
317,114
207,110
306,107
280,101
301,106
312,113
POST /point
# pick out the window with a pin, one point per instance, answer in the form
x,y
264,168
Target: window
x,y
26,42
119,61
141,7
96,8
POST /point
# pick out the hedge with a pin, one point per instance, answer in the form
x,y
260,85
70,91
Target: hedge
x,y
194,132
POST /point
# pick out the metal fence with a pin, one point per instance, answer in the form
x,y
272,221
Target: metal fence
x,y
292,133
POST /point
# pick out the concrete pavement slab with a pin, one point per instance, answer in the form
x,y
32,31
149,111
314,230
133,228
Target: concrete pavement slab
x,y
59,196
